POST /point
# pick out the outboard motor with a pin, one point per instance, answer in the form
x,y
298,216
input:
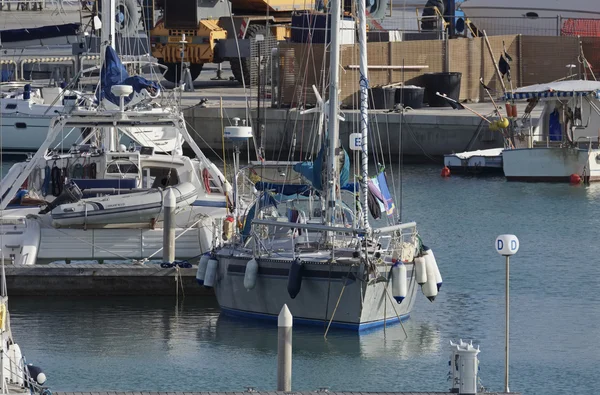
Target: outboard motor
x,y
70,194
35,374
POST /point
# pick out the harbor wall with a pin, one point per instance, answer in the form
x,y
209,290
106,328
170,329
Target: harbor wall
x,y
535,59
426,135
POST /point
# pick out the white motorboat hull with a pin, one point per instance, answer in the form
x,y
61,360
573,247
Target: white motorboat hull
x,y
361,306
531,17
481,161
551,164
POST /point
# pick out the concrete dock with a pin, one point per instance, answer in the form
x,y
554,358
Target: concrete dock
x,y
427,133
94,279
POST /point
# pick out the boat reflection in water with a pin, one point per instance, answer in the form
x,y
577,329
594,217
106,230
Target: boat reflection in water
x,y
308,342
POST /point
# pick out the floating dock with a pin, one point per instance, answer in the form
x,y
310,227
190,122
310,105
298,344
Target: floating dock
x,y
102,279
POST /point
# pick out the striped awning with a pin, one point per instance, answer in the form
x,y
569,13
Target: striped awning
x,y
575,88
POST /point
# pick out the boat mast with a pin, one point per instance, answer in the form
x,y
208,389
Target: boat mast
x,y
107,37
107,32
364,105
333,125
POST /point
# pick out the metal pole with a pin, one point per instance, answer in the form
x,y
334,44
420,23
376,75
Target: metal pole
x,y
258,91
506,340
169,204
334,127
364,105
284,350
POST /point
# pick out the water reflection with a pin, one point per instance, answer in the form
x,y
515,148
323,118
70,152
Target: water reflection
x,y
254,336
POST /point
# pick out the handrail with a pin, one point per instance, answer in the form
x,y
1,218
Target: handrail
x,y
318,227
326,228
394,228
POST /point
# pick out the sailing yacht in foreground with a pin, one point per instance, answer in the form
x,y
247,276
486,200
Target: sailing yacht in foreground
x,y
16,376
303,246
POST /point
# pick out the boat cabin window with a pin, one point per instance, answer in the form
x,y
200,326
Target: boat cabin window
x,y
160,177
11,106
122,168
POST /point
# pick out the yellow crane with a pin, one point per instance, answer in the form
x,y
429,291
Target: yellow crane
x,y
217,31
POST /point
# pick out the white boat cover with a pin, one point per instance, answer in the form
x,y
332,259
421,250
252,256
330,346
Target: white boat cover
x,y
557,89
484,153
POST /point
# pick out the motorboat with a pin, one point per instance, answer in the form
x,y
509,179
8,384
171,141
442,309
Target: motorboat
x,y
101,193
488,161
563,146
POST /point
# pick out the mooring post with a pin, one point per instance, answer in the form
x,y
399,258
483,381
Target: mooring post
x,y
169,204
284,350
507,245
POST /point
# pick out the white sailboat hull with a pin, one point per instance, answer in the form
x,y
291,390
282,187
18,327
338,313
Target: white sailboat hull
x,y
551,164
24,133
361,305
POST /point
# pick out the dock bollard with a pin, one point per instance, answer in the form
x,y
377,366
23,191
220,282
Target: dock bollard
x,y
169,204
284,350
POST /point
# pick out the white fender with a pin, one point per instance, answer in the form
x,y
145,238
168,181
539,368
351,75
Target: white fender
x,y
201,272
211,273
205,234
399,283
16,366
251,274
430,287
421,270
30,243
438,276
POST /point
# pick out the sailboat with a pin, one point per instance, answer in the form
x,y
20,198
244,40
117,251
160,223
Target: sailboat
x,y
304,246
16,376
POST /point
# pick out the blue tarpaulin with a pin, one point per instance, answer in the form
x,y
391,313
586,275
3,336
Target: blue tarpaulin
x,y
114,73
313,171
39,33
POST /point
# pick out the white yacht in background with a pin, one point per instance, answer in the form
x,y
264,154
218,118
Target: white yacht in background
x,y
564,146
531,17
25,114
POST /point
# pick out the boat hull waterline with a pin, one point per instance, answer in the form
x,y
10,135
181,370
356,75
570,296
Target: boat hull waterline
x,y
362,305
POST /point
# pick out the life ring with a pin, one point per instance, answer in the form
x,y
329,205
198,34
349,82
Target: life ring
x,y
206,179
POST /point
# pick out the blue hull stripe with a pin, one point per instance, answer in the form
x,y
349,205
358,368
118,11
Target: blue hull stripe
x,y
305,321
209,203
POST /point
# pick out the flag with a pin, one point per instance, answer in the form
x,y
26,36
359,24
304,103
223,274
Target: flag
x,y
504,67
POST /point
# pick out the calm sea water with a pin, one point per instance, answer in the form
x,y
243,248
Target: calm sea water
x,y
126,344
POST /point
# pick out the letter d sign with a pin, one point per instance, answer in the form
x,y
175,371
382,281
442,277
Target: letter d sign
x,y
507,245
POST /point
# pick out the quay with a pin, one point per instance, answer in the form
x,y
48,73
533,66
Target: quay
x,y
102,279
427,133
